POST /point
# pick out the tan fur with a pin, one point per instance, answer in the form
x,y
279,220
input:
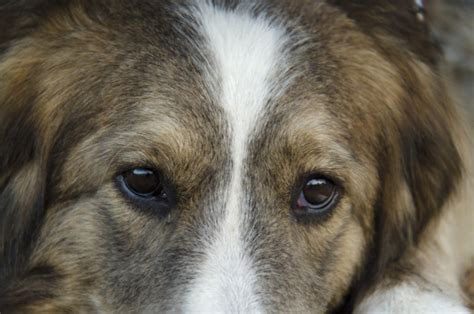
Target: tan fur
x,y
84,101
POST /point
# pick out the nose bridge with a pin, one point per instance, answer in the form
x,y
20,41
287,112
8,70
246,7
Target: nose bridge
x,y
227,281
245,49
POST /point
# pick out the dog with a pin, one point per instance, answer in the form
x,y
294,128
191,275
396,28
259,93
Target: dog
x,y
229,156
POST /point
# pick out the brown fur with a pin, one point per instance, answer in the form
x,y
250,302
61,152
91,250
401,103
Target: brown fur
x,y
71,76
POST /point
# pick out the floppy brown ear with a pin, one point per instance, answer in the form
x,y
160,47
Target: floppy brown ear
x,y
22,159
419,163
22,189
22,175
420,171
399,19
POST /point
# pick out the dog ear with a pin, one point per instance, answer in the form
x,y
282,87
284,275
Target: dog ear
x,y
421,165
420,181
21,177
420,168
401,19
22,156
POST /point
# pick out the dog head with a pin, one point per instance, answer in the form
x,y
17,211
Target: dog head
x,y
214,156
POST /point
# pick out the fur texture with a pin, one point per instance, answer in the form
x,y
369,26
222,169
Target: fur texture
x,y
235,104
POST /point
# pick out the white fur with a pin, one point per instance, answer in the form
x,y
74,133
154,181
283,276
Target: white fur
x,y
408,298
248,65
247,57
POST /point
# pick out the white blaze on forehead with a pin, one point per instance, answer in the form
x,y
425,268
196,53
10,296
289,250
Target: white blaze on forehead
x,y
247,59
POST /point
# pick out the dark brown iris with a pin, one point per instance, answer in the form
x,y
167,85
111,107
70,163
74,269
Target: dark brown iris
x,y
317,193
143,182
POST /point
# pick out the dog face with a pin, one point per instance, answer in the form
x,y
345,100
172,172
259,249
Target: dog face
x,y
201,156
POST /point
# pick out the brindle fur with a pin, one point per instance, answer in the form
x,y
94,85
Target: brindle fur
x,y
89,88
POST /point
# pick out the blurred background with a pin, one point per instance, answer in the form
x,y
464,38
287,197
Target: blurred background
x,y
452,22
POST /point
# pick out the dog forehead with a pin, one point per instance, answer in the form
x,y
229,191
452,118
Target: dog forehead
x,y
248,68
247,60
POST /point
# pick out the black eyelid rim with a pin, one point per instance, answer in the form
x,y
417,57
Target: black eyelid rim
x,y
144,195
315,217
122,169
167,185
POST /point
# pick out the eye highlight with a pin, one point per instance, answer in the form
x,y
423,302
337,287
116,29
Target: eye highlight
x,y
143,182
145,187
147,190
317,196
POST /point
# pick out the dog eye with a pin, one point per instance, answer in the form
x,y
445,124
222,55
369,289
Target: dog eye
x,y
317,196
144,183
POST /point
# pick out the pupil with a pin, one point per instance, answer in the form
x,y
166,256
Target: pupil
x,y
142,181
318,191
